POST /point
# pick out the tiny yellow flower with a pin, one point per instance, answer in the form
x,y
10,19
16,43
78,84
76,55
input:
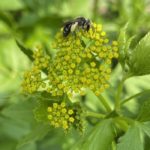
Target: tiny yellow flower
x,y
70,112
93,64
49,109
103,33
71,119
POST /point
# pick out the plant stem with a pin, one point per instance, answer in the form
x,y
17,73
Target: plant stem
x,y
127,119
95,115
118,94
133,96
95,6
105,103
122,123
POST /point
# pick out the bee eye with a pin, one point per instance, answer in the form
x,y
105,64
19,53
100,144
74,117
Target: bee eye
x,y
88,27
66,29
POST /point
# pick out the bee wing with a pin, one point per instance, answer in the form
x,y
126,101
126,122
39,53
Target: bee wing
x,y
81,21
80,18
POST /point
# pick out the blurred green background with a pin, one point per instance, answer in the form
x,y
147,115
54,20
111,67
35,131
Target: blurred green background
x,y
35,22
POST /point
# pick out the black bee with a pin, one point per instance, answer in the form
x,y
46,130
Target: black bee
x,y
80,22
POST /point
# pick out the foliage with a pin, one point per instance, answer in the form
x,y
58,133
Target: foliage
x,y
60,110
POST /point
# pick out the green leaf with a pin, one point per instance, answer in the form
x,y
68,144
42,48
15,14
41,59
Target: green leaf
x,y
101,137
22,111
37,133
44,100
70,8
122,40
28,52
146,128
11,5
139,61
144,114
31,146
124,46
40,111
25,50
132,140
7,143
7,18
13,128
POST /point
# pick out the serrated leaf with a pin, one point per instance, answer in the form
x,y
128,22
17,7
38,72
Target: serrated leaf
x,y
101,137
7,5
122,40
28,52
139,61
44,100
37,133
146,128
25,50
132,140
21,111
6,18
40,111
124,44
144,114
7,143
31,146
10,127
69,8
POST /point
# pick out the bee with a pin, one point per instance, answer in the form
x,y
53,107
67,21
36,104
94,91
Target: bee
x,y
79,22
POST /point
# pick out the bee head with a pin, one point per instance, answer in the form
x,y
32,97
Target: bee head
x,y
71,26
87,25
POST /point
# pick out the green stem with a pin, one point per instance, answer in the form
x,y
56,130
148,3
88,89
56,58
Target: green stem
x,y
133,96
105,103
127,119
95,8
113,145
118,94
95,115
123,123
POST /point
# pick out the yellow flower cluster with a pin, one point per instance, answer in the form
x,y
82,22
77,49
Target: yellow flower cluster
x,y
41,61
83,60
33,79
60,115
